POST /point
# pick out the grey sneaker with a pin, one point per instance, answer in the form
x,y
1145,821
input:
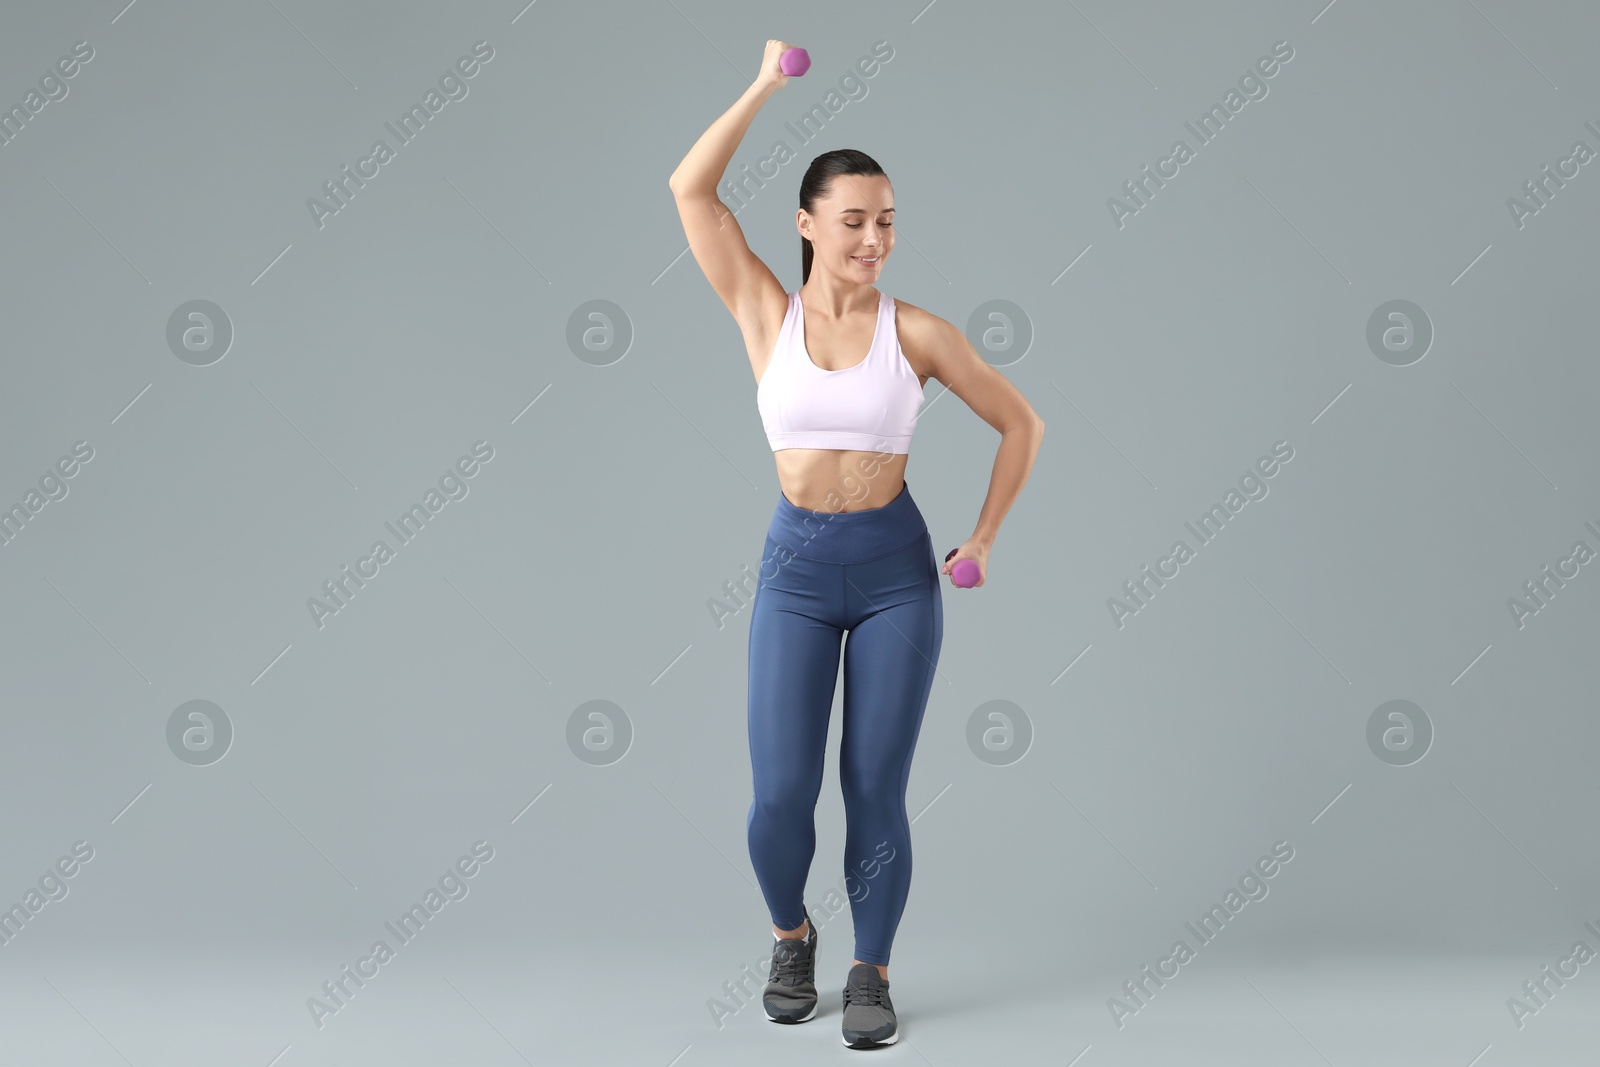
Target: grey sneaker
x,y
791,992
868,1012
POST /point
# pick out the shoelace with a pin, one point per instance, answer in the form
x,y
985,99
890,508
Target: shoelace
x,y
788,967
864,994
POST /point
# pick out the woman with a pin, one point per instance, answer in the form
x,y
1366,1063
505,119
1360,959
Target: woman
x,y
847,549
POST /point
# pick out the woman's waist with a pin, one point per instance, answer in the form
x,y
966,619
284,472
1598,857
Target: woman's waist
x,y
840,480
847,536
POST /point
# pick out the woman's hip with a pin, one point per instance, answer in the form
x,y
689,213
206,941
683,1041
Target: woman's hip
x,y
795,590
846,537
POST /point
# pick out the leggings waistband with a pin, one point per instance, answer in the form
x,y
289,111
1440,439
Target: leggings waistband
x,y
847,536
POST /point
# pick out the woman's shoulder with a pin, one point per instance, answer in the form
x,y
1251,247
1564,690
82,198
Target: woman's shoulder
x,y
909,316
919,331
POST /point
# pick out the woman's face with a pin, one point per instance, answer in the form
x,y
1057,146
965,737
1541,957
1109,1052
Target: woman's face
x,y
853,223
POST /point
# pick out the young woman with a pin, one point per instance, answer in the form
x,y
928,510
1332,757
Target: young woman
x,y
847,549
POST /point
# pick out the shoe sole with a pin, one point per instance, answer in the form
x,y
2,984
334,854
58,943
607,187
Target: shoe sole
x,y
866,1043
812,1014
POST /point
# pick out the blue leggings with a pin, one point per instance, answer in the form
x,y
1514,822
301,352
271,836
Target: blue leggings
x,y
871,573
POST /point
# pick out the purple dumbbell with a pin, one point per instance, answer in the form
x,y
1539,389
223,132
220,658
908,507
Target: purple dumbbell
x,y
794,61
965,573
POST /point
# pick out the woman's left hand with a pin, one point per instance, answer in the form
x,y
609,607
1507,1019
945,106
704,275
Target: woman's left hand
x,y
976,551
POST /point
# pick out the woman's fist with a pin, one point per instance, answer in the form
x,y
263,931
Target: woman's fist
x,y
771,73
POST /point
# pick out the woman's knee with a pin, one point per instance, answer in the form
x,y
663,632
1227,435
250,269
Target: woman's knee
x,y
785,795
870,795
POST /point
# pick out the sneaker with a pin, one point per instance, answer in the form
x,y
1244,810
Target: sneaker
x,y
791,992
868,1012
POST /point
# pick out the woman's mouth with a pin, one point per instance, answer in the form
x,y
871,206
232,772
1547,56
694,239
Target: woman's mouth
x,y
869,261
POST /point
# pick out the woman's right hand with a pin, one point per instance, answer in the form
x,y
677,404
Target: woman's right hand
x,y
771,74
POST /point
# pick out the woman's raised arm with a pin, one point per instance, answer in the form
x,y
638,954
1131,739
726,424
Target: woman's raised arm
x,y
740,279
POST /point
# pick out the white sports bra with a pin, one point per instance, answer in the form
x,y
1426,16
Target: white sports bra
x,y
871,406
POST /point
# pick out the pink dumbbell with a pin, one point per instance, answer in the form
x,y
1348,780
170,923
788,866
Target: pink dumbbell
x,y
965,573
794,61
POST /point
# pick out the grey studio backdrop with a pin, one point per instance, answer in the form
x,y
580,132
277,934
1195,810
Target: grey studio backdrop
x,y
1370,275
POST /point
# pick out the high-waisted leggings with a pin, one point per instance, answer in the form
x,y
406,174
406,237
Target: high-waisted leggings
x,y
872,574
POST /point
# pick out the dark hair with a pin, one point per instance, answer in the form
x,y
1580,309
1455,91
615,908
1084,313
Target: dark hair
x,y
818,181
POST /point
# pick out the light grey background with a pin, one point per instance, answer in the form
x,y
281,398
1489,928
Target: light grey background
x,y
368,755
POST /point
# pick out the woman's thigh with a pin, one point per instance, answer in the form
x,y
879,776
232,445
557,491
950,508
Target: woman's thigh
x,y
890,660
795,637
